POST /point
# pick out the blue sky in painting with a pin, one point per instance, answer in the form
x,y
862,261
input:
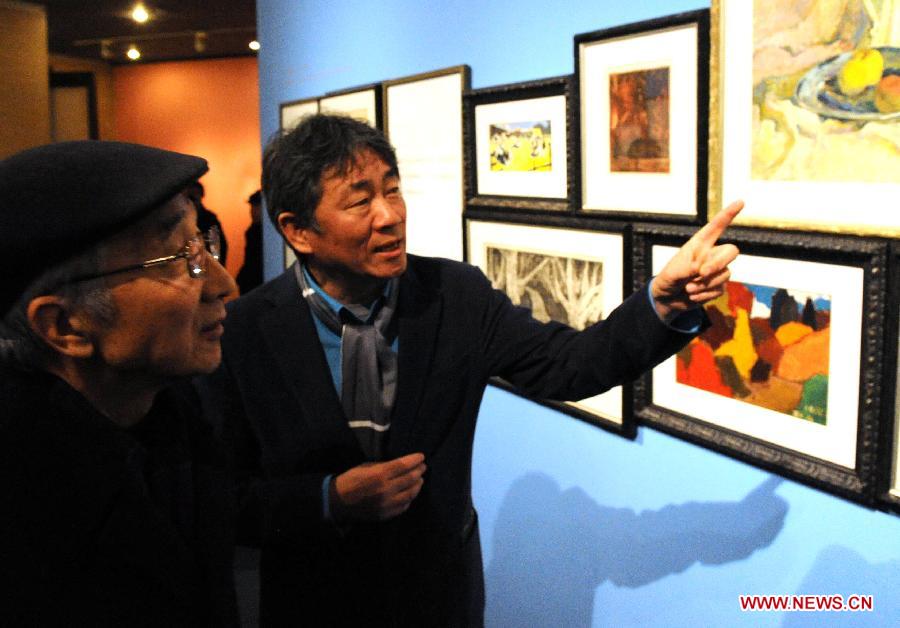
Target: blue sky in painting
x,y
764,294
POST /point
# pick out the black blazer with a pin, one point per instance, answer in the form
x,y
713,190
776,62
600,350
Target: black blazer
x,y
83,539
282,411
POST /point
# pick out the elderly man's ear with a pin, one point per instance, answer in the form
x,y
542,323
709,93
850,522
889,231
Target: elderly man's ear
x,y
65,330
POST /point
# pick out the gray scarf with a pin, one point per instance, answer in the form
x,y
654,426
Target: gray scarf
x,y
368,364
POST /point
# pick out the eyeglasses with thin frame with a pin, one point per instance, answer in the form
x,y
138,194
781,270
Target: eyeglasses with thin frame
x,y
194,252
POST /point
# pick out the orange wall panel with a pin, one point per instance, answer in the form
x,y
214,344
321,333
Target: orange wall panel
x,y
208,108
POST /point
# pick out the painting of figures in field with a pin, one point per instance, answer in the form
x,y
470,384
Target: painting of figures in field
x,y
564,289
639,121
521,146
766,346
826,91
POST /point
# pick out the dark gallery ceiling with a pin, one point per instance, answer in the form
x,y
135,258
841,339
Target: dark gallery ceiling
x,y
186,29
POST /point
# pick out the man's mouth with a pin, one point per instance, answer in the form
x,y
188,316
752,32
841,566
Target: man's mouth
x,y
390,247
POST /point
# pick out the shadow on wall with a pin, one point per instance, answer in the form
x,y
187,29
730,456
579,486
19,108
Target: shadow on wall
x,y
839,570
553,548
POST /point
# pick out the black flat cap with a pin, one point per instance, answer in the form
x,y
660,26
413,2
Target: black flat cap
x,y
57,200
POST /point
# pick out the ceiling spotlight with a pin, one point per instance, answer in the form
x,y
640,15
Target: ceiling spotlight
x,y
199,41
106,49
139,14
133,53
254,45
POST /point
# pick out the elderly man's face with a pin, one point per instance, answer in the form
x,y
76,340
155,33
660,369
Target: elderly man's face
x,y
167,324
361,235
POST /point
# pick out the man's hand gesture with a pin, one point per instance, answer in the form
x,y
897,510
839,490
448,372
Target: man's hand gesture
x,y
698,271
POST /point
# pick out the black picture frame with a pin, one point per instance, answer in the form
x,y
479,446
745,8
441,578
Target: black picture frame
x,y
511,93
624,426
857,483
635,182
889,442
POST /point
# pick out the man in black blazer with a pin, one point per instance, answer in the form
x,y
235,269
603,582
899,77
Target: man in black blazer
x,y
351,385
116,504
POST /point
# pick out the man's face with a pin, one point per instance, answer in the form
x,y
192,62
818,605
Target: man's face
x,y
361,236
167,324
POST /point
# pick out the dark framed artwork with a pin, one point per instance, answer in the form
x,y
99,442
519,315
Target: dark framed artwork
x,y
362,103
423,120
643,97
292,112
565,270
788,375
804,113
889,486
518,148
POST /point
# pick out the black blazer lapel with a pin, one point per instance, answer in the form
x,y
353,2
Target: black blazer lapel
x,y
419,309
291,338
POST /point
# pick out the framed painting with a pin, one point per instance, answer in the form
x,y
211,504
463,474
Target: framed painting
x,y
518,152
423,120
805,113
643,96
290,113
889,486
787,376
361,103
560,272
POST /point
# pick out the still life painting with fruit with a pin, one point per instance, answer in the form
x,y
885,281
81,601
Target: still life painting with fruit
x,y
826,90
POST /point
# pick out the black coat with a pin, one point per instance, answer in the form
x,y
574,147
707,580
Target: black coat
x,y
102,526
455,332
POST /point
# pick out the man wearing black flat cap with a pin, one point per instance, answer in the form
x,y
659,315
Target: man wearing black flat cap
x,y
115,505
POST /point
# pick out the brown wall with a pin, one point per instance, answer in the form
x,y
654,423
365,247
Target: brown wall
x,y
25,97
103,85
208,108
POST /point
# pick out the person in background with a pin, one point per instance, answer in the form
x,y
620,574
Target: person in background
x,y
251,273
206,218
117,504
350,387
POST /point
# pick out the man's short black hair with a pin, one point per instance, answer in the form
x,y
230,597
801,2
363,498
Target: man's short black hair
x,y
294,161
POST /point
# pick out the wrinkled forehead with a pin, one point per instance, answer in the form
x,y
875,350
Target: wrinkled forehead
x,y
174,220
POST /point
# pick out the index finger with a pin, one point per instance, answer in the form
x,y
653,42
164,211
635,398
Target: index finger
x,y
400,466
711,231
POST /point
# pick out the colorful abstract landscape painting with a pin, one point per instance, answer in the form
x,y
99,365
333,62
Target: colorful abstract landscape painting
x,y
766,346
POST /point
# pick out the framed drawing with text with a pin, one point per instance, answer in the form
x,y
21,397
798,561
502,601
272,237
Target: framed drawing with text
x,y
518,152
889,488
643,95
805,113
787,376
361,103
423,120
289,115
570,275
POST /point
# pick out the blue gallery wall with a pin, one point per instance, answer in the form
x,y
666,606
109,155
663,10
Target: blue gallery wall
x,y
580,527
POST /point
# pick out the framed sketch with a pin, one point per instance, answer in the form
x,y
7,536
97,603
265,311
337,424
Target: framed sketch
x,y
518,152
805,113
290,113
423,120
787,376
643,93
361,103
571,275
889,486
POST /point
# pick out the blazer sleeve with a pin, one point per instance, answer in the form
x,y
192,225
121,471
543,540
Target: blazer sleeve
x,y
553,361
